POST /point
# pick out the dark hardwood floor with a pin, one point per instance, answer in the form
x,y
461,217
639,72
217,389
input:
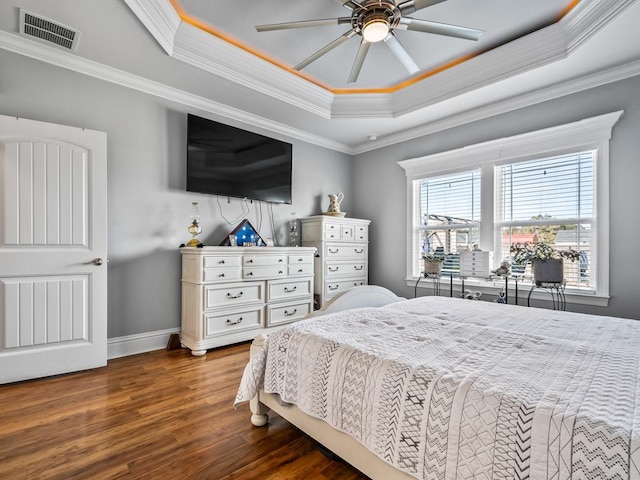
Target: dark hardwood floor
x,y
159,415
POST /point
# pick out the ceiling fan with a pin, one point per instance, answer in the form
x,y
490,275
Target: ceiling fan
x,y
375,21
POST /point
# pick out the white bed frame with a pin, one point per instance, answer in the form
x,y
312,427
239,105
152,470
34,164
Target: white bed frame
x,y
338,442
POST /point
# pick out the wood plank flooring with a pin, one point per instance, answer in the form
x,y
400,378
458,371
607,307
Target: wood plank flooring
x,y
159,415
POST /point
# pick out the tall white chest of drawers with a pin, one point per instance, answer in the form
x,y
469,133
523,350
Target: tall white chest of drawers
x,y
342,261
231,294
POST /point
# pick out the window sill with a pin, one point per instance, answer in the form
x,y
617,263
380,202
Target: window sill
x,y
491,288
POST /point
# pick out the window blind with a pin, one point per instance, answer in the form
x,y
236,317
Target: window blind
x,y
449,216
549,200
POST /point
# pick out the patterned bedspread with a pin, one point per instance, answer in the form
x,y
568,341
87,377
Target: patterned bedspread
x,y
446,388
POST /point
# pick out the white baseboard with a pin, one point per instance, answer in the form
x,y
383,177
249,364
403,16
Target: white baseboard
x,y
138,343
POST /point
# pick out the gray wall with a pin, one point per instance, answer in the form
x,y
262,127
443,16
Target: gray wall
x,y
380,189
148,207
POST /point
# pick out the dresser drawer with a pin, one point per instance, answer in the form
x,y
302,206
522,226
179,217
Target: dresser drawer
x,y
331,288
303,269
347,233
300,259
222,274
337,251
331,231
362,233
284,289
263,260
233,321
342,269
255,273
235,294
279,314
222,261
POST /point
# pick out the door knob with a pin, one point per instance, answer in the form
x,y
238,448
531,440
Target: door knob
x,y
96,261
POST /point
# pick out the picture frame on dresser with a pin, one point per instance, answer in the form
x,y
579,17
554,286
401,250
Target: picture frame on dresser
x,y
244,233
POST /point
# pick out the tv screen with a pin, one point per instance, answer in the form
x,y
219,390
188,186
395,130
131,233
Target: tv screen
x,y
229,161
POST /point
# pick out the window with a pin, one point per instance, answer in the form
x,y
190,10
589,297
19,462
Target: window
x,y
550,185
449,216
548,200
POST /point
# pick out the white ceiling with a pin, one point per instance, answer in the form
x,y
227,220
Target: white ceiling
x,y
146,45
501,20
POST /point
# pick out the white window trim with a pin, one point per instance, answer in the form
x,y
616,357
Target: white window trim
x,y
591,133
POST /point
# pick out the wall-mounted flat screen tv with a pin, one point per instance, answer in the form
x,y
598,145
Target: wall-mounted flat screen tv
x,y
231,162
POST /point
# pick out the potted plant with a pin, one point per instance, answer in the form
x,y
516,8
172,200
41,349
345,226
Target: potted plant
x,y
546,261
432,264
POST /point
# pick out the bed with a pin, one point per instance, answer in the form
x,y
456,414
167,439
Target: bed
x,y
446,388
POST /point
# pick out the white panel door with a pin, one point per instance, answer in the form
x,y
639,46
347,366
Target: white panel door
x,y
53,246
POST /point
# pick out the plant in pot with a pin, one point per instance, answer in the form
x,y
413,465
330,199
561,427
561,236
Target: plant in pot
x,y
546,261
432,264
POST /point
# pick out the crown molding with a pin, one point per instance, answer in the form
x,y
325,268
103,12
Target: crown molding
x,y
588,18
563,89
212,54
588,132
532,51
527,53
28,48
160,18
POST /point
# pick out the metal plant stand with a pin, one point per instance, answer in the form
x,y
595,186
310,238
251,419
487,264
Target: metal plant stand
x,y
555,289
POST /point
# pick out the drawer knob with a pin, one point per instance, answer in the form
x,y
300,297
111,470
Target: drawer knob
x,y
334,251
290,290
280,272
287,313
234,322
300,270
301,259
361,250
280,260
250,260
357,284
358,267
249,274
334,269
221,261
332,287
221,275
233,297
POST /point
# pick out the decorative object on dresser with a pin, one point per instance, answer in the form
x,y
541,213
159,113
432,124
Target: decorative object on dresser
x,y
194,227
230,295
245,235
343,252
334,205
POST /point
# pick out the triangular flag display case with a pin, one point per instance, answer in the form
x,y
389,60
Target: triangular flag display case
x,y
244,234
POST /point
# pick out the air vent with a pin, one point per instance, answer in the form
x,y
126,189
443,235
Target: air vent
x,y
47,30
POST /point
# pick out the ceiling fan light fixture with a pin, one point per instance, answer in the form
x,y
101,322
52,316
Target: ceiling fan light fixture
x,y
375,28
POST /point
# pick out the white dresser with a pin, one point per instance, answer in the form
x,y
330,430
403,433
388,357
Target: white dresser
x,y
343,253
230,294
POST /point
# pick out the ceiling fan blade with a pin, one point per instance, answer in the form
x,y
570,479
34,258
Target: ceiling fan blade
x,y
427,26
302,24
401,54
411,6
357,64
326,49
348,4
